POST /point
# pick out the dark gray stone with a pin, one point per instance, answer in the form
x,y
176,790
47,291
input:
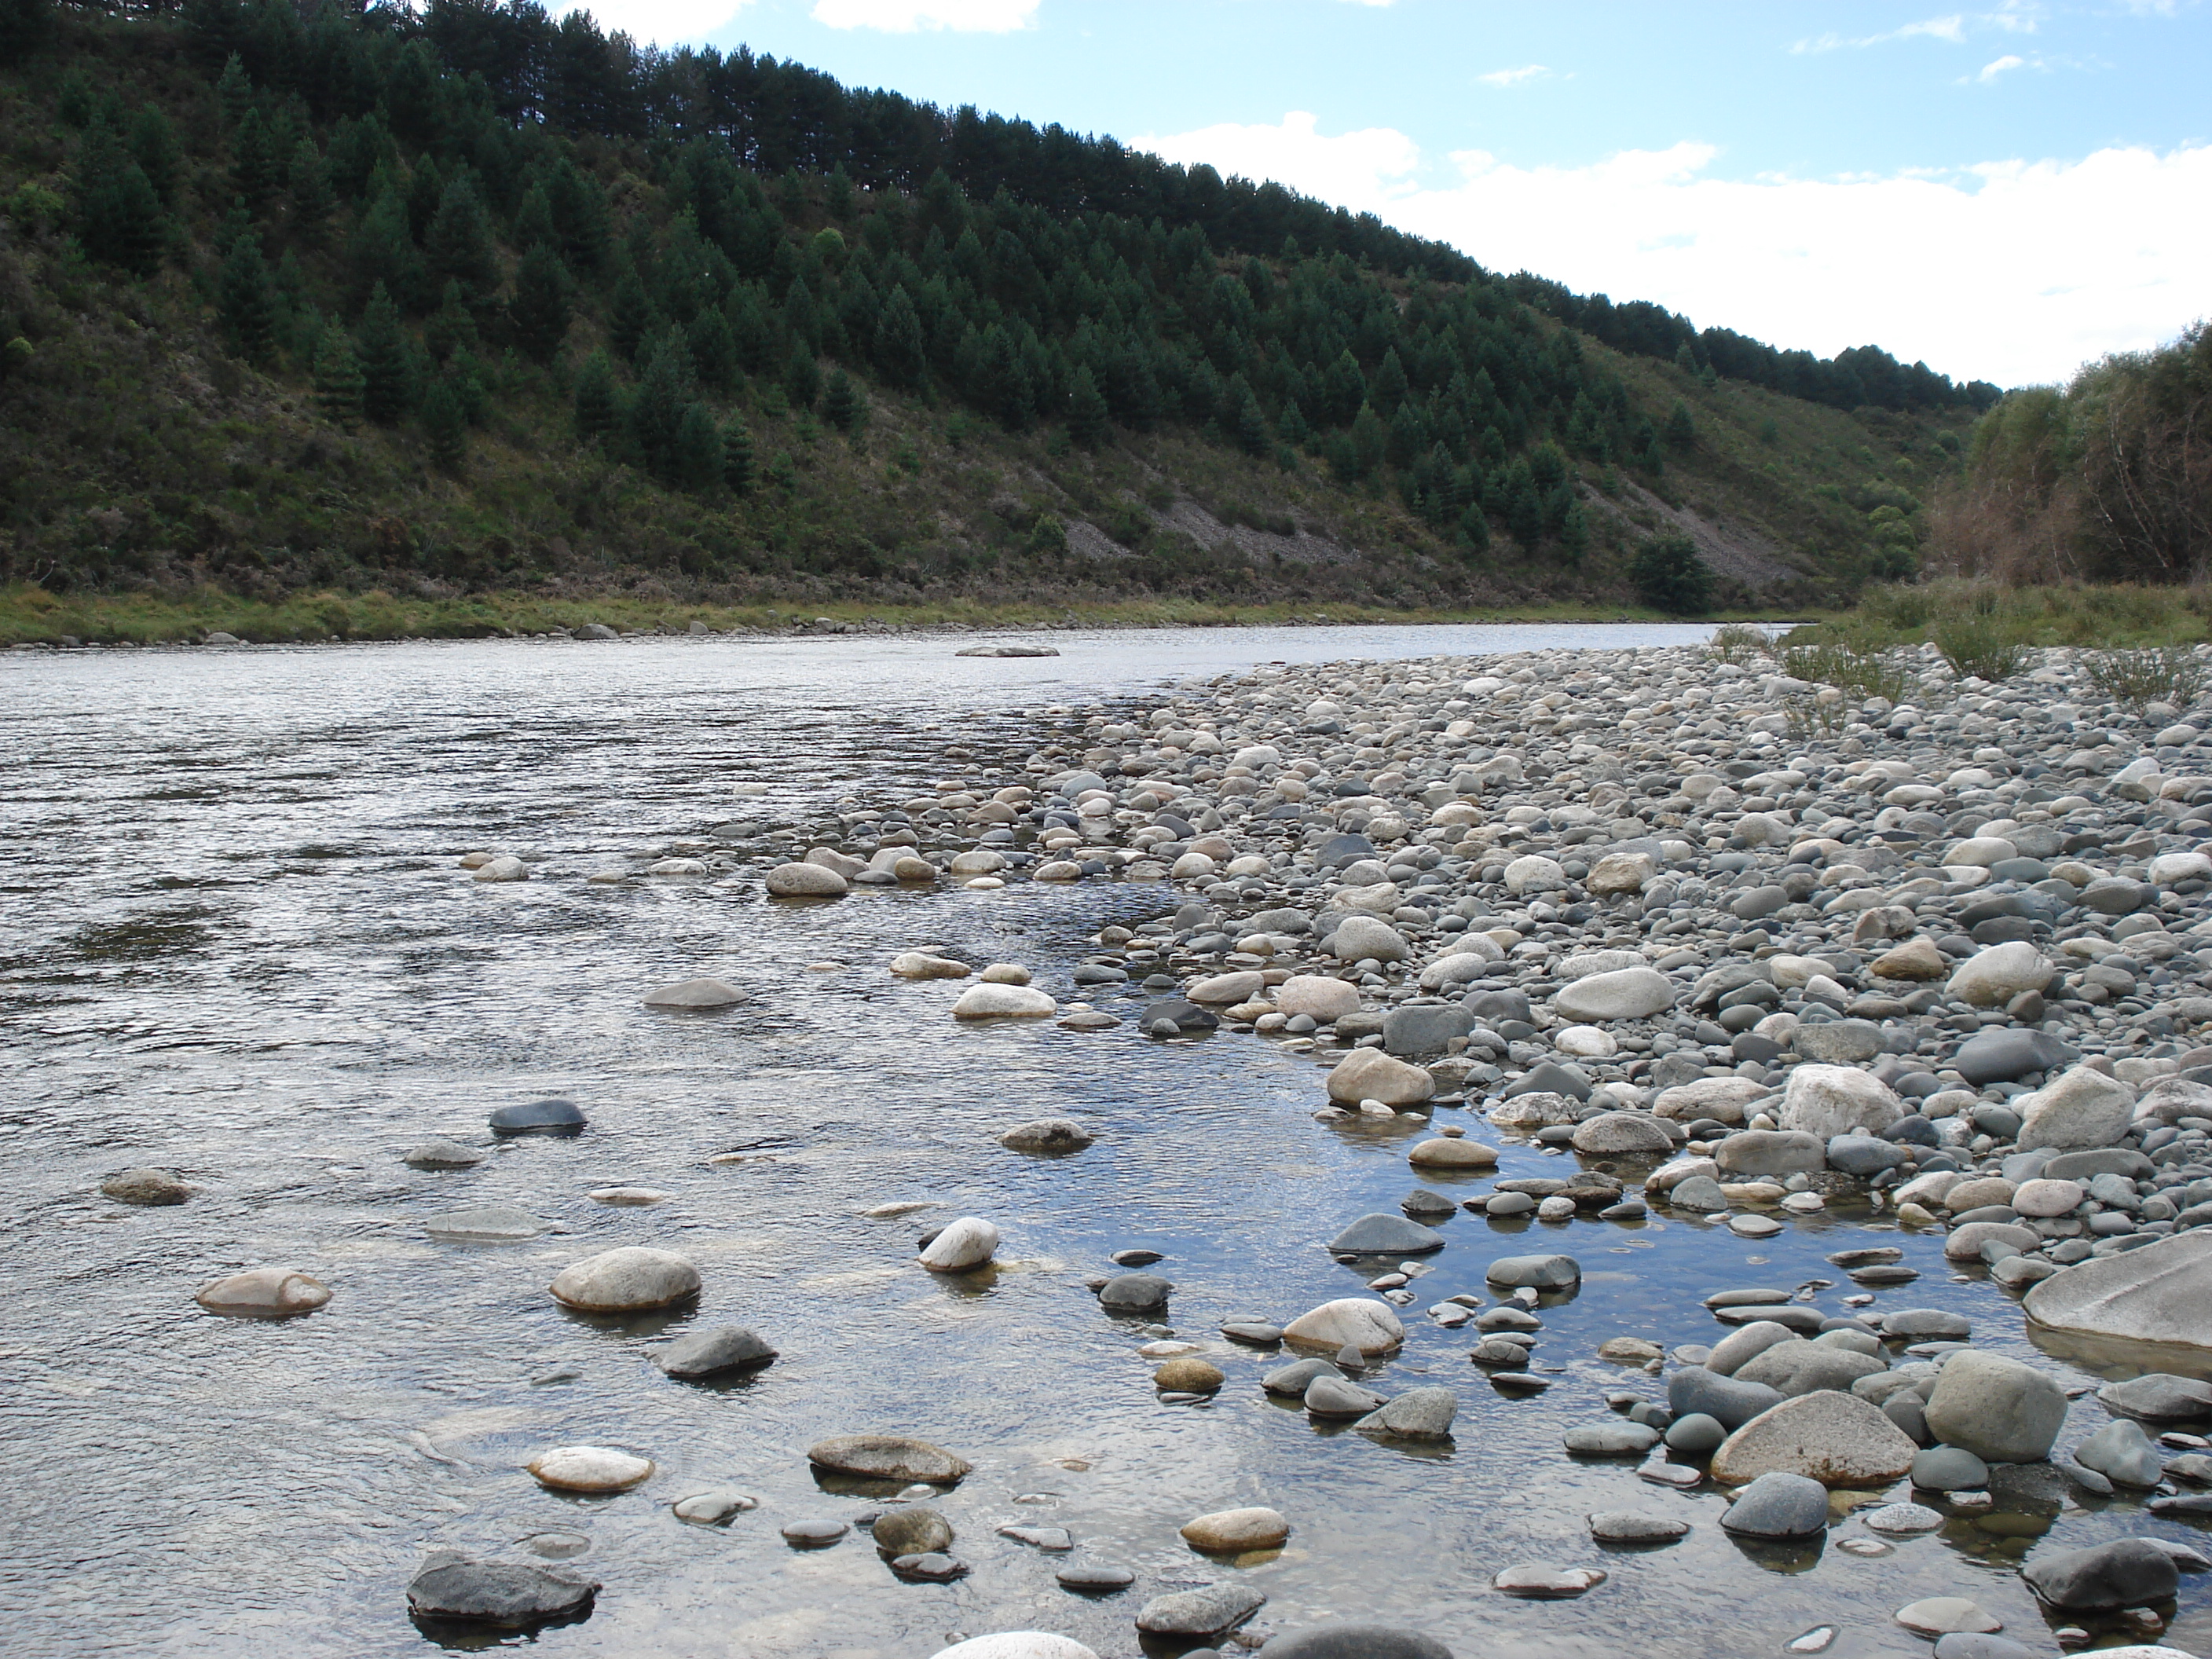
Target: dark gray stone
x,y
1386,1235
1969,1644
2087,1166
1863,1155
1494,1006
554,1116
1294,1379
1184,1016
1356,1642
2007,1055
2159,1397
1950,1468
1926,1325
1135,1293
1093,1577
1212,1610
1550,1078
1544,1273
1777,1505
1729,1402
1424,1029
703,1353
2127,1572
449,1585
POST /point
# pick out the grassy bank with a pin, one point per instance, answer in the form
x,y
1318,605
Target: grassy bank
x,y
33,615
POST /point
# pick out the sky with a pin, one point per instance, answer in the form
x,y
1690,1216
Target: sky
x,y
2003,192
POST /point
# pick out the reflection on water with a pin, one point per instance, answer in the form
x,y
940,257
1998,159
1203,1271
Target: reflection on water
x,y
237,947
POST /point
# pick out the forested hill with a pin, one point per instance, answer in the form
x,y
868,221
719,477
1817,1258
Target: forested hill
x,y
299,298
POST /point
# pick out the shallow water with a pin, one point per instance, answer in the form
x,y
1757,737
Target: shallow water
x,y
236,946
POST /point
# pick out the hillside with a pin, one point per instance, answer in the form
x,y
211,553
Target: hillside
x,y
474,302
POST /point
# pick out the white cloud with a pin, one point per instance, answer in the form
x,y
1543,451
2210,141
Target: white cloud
x,y
1514,77
1952,28
906,16
1997,66
663,22
1986,273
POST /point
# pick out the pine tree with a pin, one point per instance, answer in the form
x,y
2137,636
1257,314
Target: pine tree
x,y
452,328
842,405
1681,430
153,144
234,89
802,377
254,167
629,315
118,216
446,423
698,458
714,348
1370,440
381,251
900,354
1291,424
737,456
246,301
1247,421
596,414
533,220
1087,421
387,366
337,381
539,311
309,183
664,392
839,196
457,242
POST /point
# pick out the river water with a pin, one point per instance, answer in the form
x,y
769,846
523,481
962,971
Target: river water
x,y
237,946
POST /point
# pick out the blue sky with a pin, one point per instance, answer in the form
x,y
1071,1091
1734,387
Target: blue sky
x,y
2004,191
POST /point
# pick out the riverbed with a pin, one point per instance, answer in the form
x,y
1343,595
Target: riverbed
x,y
238,946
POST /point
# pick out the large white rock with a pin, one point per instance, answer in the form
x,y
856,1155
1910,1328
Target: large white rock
x,y
1981,852
1722,1099
965,1243
1225,988
1621,873
1837,1439
2159,1293
1624,993
1359,1321
631,1280
2074,1111
2044,1199
503,867
992,1001
1991,978
805,881
264,1293
1371,1074
696,994
1585,964
1017,1644
1838,1100
920,964
1531,872
588,1468
2167,868
1317,996
1358,937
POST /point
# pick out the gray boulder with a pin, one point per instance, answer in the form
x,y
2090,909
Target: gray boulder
x,y
1136,1293
2001,1410
1424,1029
1416,1414
1544,1273
2007,1055
1386,1235
1635,1133
2159,1293
1838,1042
1728,1402
2123,1454
2078,1108
1949,1468
1827,1100
704,1353
512,1595
2127,1572
1356,1642
1799,1366
2159,1397
1212,1610
1863,1155
1771,1152
1778,1506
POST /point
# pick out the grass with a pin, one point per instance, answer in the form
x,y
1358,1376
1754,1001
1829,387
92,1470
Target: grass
x,y
2170,674
30,615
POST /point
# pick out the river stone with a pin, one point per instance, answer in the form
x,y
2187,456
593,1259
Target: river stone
x,y
1127,1294
1294,1379
2078,1108
1446,1153
912,1529
1317,996
1778,1505
1949,1468
888,1457
990,1000
589,1469
921,964
2007,1055
1993,977
1351,1321
1941,1615
1802,1367
698,993
1693,1390
1544,1273
1358,937
1695,1434
1371,1074
2044,1198
805,881
2001,1410
1214,1610
1386,1235
1863,1155
1838,1042
514,1595
1416,1414
554,1116
1053,1135
2126,1572
2161,1293
1189,1374
1232,1532
1825,1101
1771,1152
711,1508
1624,993
1424,1029
1330,1394
631,1280
145,1186
1613,1437
263,1293
1533,1582
439,1153
1744,1344
814,1534
484,1224
2122,1452
1964,1243
1627,1527
962,1246
1903,1518
1634,1133
1836,1439
1017,1644
2159,1398
1915,959
1355,1642
1223,989
704,1353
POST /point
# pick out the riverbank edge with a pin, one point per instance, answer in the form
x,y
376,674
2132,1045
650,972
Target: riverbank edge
x,y
30,615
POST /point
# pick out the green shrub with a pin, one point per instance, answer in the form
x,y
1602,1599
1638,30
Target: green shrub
x,y
2169,674
1737,643
1669,576
1978,646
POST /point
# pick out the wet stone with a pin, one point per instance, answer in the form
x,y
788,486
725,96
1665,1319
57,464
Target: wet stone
x,y
552,1116
814,1534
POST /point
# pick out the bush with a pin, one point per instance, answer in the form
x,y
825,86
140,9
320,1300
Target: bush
x,y
1980,647
1669,576
1850,662
1737,643
2169,674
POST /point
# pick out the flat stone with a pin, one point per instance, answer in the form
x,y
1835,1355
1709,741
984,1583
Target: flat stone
x,y
1613,1438
1386,1235
1837,1439
1416,1414
1902,1518
1624,993
631,1280
1052,1136
1018,1644
1232,1532
1355,1642
696,994
1053,1540
263,1293
1125,1295
2007,1055
1938,1615
888,1457
1094,1577
1543,1273
146,1186
484,1224
1627,1527
712,1509
2126,1572
813,1535
1214,1610
1542,1583
2161,1293
439,1153
552,1116
506,1595
1632,1134
2159,1397
707,1354
990,1000
589,1469
1444,1152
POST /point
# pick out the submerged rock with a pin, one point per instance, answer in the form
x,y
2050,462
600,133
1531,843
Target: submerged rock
x,y
2161,1293
264,1293
889,1457
631,1280
510,1595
